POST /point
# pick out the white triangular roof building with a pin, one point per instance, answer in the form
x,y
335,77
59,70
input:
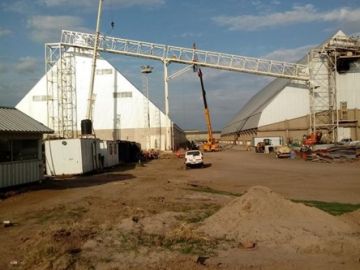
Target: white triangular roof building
x,y
120,110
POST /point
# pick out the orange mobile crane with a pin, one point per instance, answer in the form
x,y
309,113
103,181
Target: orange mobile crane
x,y
210,145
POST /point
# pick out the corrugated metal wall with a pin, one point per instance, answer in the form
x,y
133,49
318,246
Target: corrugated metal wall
x,y
19,172
348,89
290,103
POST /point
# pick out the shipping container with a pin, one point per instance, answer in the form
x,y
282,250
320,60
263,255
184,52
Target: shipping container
x,y
72,156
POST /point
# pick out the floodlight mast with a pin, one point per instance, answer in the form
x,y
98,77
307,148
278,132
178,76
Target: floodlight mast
x,y
93,67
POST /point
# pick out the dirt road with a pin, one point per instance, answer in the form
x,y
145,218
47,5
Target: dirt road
x,y
146,217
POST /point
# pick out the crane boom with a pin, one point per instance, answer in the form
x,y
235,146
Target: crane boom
x,y
167,54
210,145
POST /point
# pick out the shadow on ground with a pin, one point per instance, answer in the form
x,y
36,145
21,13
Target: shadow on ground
x,y
115,174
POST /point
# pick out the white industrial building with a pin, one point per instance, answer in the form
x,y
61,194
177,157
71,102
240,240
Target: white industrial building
x,y
329,102
120,111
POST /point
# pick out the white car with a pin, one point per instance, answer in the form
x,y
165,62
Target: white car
x,y
194,158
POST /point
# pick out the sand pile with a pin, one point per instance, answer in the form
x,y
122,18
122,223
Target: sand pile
x,y
266,218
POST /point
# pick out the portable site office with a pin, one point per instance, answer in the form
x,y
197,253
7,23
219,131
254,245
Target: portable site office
x,y
21,158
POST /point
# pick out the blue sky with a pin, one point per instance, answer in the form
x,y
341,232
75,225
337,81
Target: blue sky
x,y
270,29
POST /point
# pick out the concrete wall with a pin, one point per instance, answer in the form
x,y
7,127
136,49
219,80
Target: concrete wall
x,y
149,138
179,137
351,119
294,129
200,136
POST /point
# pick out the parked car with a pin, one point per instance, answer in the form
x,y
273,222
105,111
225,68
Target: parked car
x,y
194,158
346,141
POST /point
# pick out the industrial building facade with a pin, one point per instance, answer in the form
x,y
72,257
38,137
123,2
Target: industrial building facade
x,y
21,159
120,111
291,109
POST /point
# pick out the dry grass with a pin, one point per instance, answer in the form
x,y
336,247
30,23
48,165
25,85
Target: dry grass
x,y
183,240
59,244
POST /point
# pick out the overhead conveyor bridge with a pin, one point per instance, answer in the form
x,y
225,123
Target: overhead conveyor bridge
x,y
190,56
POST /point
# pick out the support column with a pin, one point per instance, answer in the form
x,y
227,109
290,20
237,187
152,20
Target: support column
x,y
168,144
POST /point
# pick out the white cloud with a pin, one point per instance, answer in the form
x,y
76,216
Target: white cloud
x,y
299,14
3,68
48,28
189,35
289,55
26,65
19,6
226,93
94,3
4,32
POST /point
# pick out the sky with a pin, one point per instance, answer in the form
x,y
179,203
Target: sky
x,y
272,29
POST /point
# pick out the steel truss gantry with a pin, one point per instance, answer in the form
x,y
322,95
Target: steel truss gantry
x,y
319,75
190,56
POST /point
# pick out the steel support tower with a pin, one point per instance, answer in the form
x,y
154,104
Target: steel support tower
x,y
60,73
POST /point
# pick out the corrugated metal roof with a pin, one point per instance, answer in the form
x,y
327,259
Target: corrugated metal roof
x,y
13,120
249,115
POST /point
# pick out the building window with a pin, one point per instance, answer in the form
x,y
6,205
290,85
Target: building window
x,y
122,94
104,71
25,149
5,150
15,150
41,98
343,110
110,148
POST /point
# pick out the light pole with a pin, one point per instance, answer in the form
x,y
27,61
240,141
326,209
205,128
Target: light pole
x,y
145,70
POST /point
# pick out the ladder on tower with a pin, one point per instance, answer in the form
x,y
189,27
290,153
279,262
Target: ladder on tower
x,y
68,95
61,90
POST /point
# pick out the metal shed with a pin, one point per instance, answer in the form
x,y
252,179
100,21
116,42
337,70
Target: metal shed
x,y
21,158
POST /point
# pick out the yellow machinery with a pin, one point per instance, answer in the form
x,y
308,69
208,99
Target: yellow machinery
x,y
211,145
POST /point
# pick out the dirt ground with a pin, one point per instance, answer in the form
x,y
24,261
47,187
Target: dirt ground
x,y
160,216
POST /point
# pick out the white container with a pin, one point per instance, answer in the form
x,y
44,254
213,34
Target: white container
x,y
109,153
72,156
